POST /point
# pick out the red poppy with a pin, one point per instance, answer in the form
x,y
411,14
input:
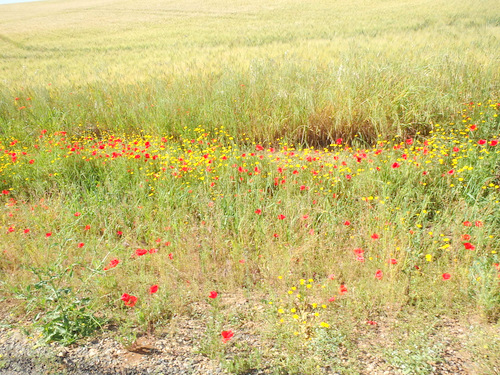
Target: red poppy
x,y
348,176
393,261
10,230
478,223
258,211
379,274
375,236
5,192
493,142
87,227
77,214
342,289
396,165
451,171
129,300
152,251
213,294
119,232
226,336
467,223
141,252
473,127
47,235
26,230
469,246
153,289
80,245
170,256
112,264
371,322
446,276
358,251
347,222
281,217
465,237
481,142
331,299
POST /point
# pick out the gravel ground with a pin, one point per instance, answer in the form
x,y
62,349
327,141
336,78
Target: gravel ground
x,y
176,353
161,355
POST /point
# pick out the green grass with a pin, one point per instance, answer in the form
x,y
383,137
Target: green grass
x,y
208,135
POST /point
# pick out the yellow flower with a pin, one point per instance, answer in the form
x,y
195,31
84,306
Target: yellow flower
x,y
323,324
428,257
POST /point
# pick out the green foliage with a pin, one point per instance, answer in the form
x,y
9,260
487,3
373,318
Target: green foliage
x,y
245,360
65,317
485,288
414,356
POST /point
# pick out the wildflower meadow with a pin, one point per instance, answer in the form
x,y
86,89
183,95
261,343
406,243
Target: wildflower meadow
x,y
346,192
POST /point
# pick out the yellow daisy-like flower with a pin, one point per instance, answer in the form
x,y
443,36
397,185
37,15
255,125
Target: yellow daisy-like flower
x,y
323,324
